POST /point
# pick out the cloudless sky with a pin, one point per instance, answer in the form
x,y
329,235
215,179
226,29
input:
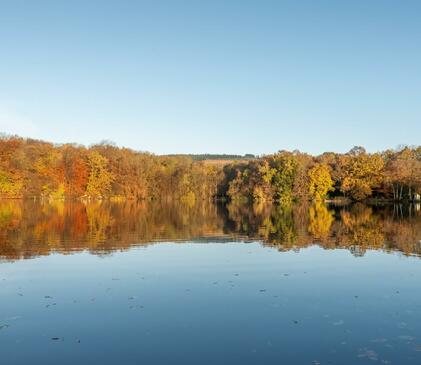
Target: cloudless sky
x,y
233,76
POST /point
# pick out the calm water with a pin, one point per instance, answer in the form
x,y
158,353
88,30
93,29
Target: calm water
x,y
126,283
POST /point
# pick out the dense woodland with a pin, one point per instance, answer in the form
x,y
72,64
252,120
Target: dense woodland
x,y
32,168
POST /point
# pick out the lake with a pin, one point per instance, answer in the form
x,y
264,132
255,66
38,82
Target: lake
x,y
172,283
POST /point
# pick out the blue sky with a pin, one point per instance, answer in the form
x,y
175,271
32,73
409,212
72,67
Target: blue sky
x,y
213,76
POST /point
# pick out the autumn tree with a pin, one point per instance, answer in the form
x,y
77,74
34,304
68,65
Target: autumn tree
x,y
300,189
11,177
100,178
403,173
320,181
76,171
362,173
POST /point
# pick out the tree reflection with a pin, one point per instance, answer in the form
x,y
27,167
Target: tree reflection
x,y
33,228
320,221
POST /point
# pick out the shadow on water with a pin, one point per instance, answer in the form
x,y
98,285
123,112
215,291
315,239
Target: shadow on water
x,y
33,228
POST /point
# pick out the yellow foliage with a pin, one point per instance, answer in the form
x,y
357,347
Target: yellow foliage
x,y
10,186
320,181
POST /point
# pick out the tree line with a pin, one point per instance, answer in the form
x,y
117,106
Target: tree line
x,y
356,175
33,168
215,156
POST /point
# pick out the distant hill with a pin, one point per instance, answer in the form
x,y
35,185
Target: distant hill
x,y
210,156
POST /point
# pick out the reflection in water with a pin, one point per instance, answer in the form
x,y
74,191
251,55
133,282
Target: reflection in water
x,y
209,303
32,228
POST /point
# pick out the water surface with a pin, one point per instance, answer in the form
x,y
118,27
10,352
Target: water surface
x,y
130,283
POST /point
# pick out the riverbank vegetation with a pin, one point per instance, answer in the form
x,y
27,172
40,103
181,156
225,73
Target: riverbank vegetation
x,y
32,168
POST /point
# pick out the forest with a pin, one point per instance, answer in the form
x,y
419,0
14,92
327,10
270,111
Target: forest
x,y
32,168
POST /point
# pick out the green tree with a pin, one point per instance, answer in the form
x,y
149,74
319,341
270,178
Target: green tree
x,y
283,177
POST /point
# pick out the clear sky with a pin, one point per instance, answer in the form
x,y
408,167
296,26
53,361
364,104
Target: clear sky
x,y
213,76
